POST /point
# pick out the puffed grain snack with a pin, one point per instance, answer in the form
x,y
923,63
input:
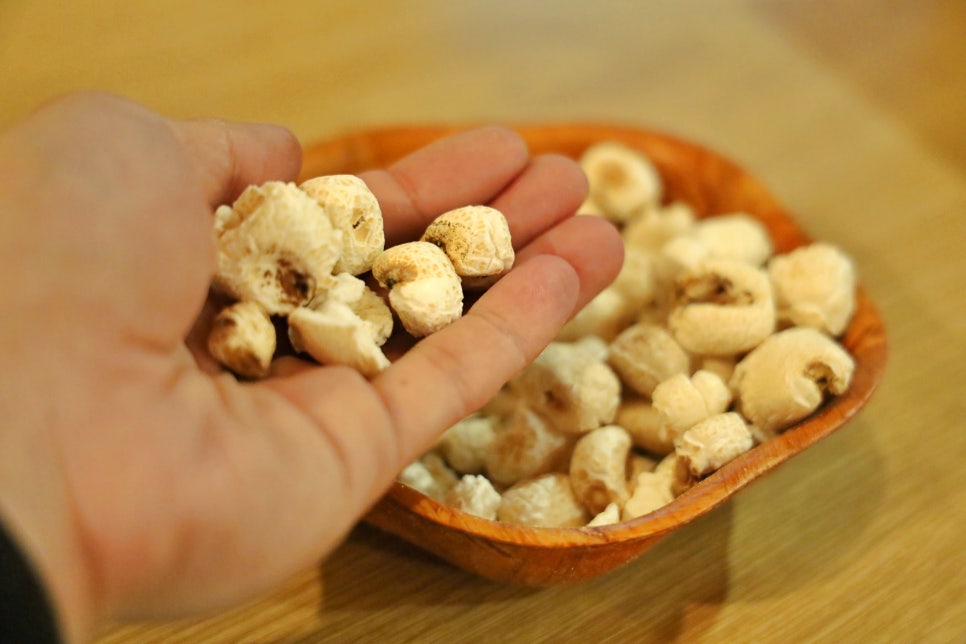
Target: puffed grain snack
x,y
571,387
424,289
474,494
723,307
598,467
546,501
788,376
814,286
275,243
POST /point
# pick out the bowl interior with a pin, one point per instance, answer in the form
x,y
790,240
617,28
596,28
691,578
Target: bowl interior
x,y
711,184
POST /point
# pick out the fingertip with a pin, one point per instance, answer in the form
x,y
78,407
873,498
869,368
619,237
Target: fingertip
x,y
590,244
229,156
505,137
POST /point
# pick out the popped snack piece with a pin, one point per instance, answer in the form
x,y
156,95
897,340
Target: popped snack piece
x,y
546,501
333,335
608,516
594,347
637,463
430,475
679,254
680,404
345,324
622,181
712,442
814,286
353,209
651,490
723,307
735,236
275,243
636,280
645,354
477,241
713,389
684,401
474,494
424,289
652,229
365,303
466,444
787,376
721,366
242,338
575,391
646,425
525,447
598,467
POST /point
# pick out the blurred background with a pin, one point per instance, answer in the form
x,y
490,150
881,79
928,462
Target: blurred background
x,y
853,113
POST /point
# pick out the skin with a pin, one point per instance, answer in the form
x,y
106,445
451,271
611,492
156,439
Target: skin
x,y
141,480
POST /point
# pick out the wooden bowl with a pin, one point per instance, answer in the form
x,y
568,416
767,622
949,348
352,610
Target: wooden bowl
x,y
545,556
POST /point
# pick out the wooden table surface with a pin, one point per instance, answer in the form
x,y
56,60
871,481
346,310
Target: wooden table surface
x,y
853,113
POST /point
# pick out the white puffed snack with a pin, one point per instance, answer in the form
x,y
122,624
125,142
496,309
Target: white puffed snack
x,y
275,243
575,391
608,516
525,447
424,289
814,286
333,335
713,389
651,490
652,229
713,442
353,209
680,404
735,236
474,494
623,182
344,324
646,425
787,376
644,354
465,445
598,467
477,241
723,307
546,501
636,280
429,475
242,338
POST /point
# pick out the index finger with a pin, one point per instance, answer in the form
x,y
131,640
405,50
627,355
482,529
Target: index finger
x,y
229,156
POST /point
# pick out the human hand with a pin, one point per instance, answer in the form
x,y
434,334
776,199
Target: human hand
x,y
141,483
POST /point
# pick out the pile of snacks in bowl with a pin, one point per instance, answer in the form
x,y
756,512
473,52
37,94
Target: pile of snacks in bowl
x,y
708,343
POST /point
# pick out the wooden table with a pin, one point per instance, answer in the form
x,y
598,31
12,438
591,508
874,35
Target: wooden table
x,y
854,115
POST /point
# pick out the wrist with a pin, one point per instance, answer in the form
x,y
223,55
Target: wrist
x,y
34,509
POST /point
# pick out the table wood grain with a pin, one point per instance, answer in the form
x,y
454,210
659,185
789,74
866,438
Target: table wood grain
x,y
854,116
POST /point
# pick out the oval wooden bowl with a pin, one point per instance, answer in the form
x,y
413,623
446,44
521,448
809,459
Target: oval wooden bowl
x,y
540,557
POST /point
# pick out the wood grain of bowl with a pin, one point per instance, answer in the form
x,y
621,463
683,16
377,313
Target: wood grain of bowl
x,y
712,185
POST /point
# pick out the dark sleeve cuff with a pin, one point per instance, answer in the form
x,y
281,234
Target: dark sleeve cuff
x,y
26,614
